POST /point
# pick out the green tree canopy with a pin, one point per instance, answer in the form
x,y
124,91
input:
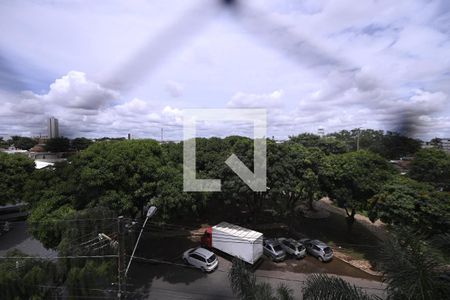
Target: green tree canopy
x,y
59,144
3,143
432,166
328,144
14,173
22,142
293,175
390,145
411,268
79,144
353,178
405,202
22,278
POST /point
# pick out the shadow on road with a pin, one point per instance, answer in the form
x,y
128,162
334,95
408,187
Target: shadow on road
x,y
166,249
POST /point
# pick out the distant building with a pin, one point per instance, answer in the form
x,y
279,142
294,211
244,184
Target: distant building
x,y
13,150
445,144
321,132
53,128
427,145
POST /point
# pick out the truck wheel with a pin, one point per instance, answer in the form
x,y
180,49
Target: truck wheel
x,y
185,261
320,258
203,269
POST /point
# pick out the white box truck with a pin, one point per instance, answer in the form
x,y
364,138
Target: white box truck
x,y
237,241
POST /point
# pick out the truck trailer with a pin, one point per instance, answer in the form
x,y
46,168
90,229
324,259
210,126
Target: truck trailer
x,y
237,241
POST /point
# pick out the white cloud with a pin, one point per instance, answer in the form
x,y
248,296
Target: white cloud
x,y
74,90
346,64
271,100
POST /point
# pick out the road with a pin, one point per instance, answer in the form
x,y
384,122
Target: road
x,y
175,281
159,281
19,238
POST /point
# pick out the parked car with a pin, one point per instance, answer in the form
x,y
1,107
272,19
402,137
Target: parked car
x,y
201,258
318,249
293,247
273,250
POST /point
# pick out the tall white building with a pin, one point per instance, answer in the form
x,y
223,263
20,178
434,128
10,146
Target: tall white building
x,y
53,128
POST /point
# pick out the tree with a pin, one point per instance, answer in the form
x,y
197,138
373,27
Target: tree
x,y
244,285
14,173
396,146
432,166
405,202
325,287
170,198
411,269
328,144
3,143
390,145
293,176
353,178
21,142
79,144
59,144
23,278
120,175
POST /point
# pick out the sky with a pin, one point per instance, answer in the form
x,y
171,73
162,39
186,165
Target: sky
x,y
109,68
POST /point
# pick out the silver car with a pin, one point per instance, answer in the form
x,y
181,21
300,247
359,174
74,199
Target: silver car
x,y
293,247
201,258
273,250
318,249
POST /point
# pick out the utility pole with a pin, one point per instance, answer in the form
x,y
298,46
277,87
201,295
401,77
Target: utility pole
x,y
120,256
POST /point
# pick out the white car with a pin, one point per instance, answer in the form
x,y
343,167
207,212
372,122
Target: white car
x,y
201,258
293,247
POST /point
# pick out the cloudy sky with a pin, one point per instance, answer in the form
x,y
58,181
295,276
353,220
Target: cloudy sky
x,y
108,68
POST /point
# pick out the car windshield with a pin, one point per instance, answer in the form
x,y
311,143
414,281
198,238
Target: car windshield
x,y
327,250
277,248
300,247
212,258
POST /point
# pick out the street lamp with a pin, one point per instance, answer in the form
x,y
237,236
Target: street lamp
x,y
150,213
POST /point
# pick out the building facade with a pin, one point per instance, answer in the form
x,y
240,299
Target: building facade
x,y
445,144
53,128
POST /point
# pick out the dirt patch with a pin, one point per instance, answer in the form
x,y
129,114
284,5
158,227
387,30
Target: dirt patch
x,y
361,264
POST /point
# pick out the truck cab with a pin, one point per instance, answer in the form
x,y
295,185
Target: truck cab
x,y
206,239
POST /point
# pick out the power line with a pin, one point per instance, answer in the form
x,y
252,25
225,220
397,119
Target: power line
x,y
223,271
59,257
63,220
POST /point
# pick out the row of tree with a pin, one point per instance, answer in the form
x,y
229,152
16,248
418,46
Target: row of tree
x,y
83,196
123,176
60,144
388,144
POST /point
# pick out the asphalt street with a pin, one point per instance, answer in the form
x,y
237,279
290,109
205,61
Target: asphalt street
x,y
174,280
166,281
